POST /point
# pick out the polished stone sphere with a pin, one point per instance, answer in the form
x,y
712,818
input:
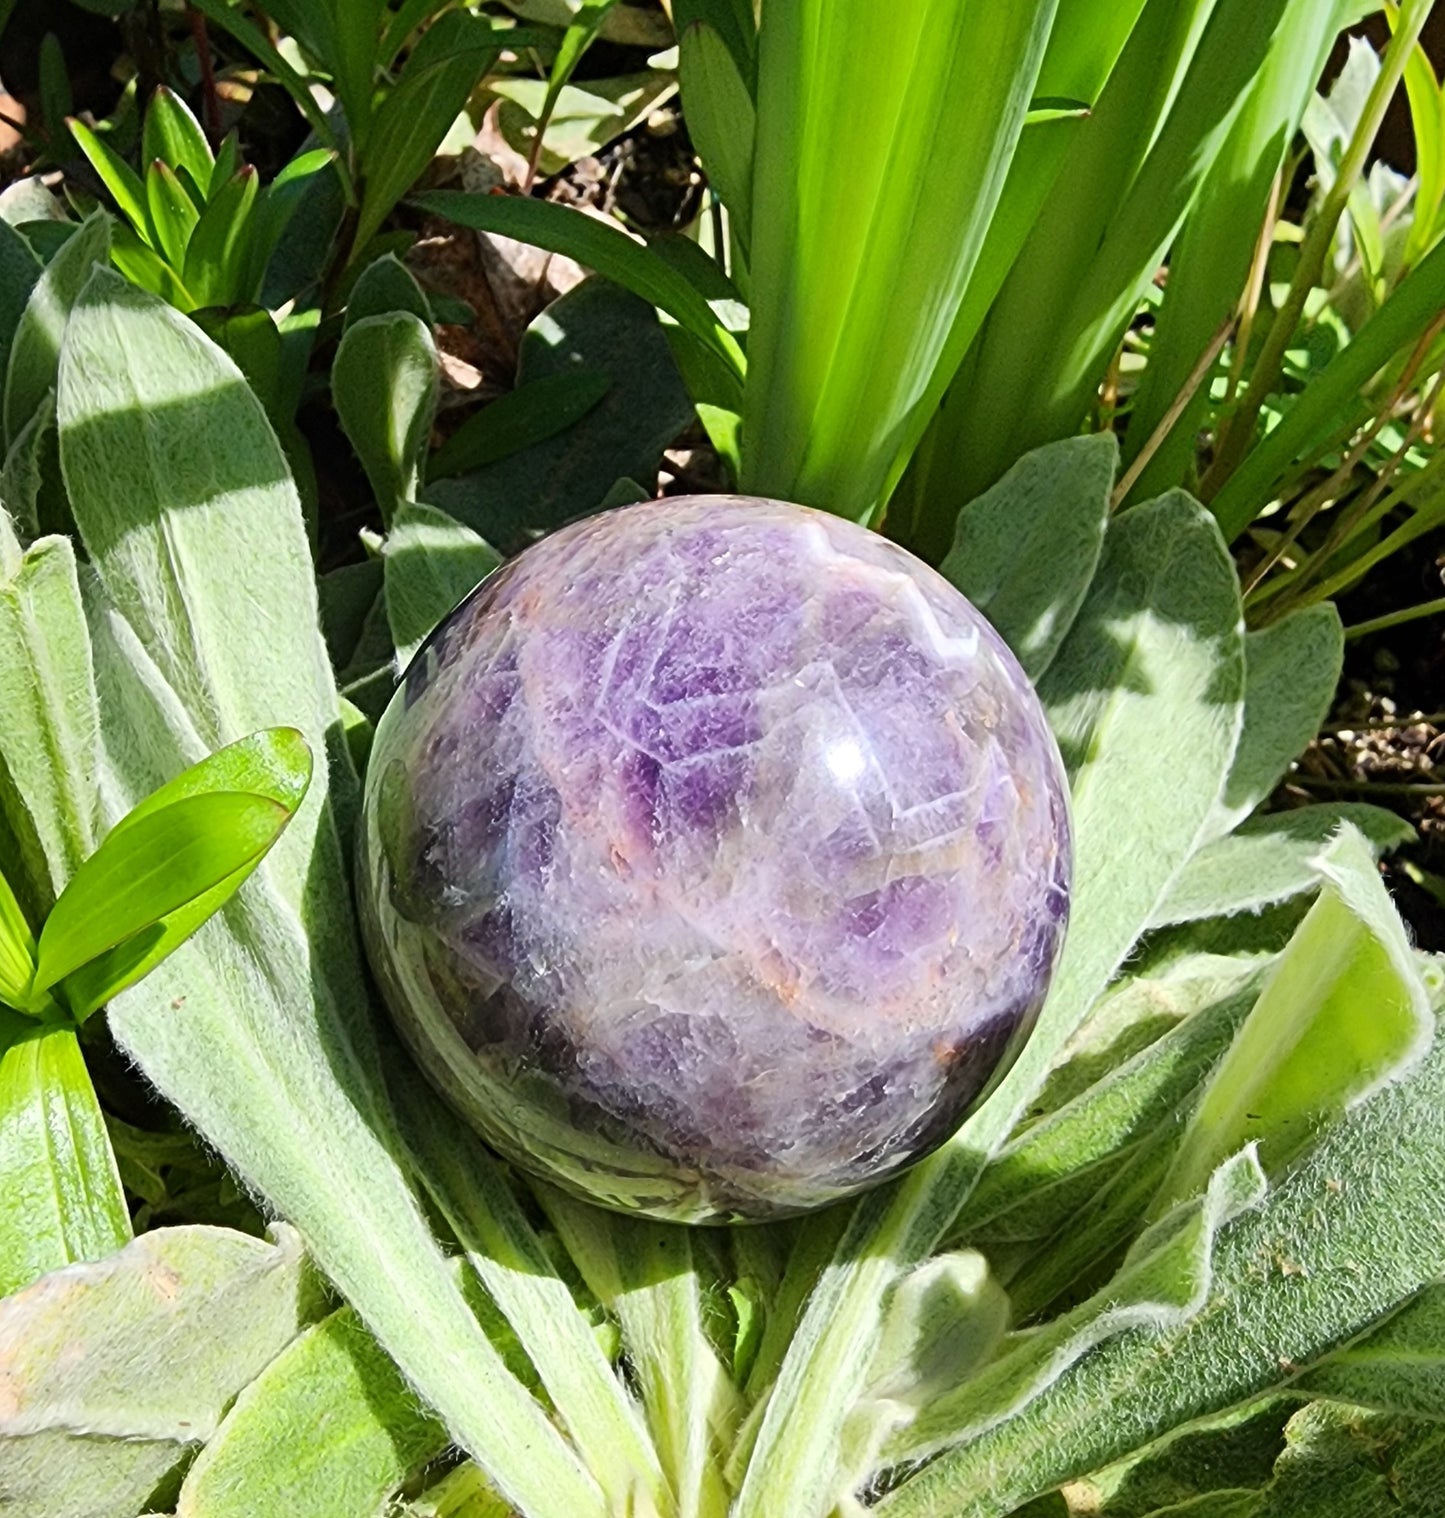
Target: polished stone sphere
x,y
715,858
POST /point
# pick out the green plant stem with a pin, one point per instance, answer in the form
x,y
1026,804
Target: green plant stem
x,y
1397,618
1315,248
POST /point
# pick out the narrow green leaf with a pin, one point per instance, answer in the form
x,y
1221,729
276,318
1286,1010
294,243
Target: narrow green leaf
x,y
173,213
143,266
1335,393
168,455
153,868
63,1198
228,161
607,249
1025,551
172,135
334,1377
479,1203
353,32
47,691
35,353
384,383
1270,859
117,175
117,1371
440,74
721,118
17,949
230,18
432,561
1342,1013
1211,259
645,1274
217,255
530,414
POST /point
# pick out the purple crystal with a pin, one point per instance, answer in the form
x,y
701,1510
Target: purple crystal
x,y
716,858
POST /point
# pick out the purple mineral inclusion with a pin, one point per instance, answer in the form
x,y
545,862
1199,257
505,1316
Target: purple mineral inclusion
x,y
716,858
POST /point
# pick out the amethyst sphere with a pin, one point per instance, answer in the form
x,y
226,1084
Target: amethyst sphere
x,y
715,859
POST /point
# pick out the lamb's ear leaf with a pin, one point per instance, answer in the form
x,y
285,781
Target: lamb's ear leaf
x,y
1146,696
384,383
47,692
1292,669
1343,1011
1025,551
1287,1292
432,561
203,614
334,1376
118,1369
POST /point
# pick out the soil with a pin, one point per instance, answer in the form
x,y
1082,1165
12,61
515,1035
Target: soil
x,y
1385,739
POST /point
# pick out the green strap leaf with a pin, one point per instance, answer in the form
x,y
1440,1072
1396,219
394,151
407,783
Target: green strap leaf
x,y
116,174
431,561
35,352
164,869
17,949
63,1197
1343,1012
529,414
441,72
217,268
117,1370
384,384
172,135
607,249
173,213
721,118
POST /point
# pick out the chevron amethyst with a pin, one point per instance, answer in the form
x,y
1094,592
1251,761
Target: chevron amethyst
x,y
716,858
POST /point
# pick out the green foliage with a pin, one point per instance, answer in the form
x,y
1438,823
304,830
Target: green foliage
x,y
199,229
118,1370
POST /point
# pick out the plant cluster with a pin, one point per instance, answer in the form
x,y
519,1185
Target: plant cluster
x,y
1187,1256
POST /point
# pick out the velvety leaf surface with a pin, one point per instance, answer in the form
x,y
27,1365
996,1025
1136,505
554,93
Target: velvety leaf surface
x,y
431,561
328,1429
1025,551
111,1373
48,736
1270,858
205,621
